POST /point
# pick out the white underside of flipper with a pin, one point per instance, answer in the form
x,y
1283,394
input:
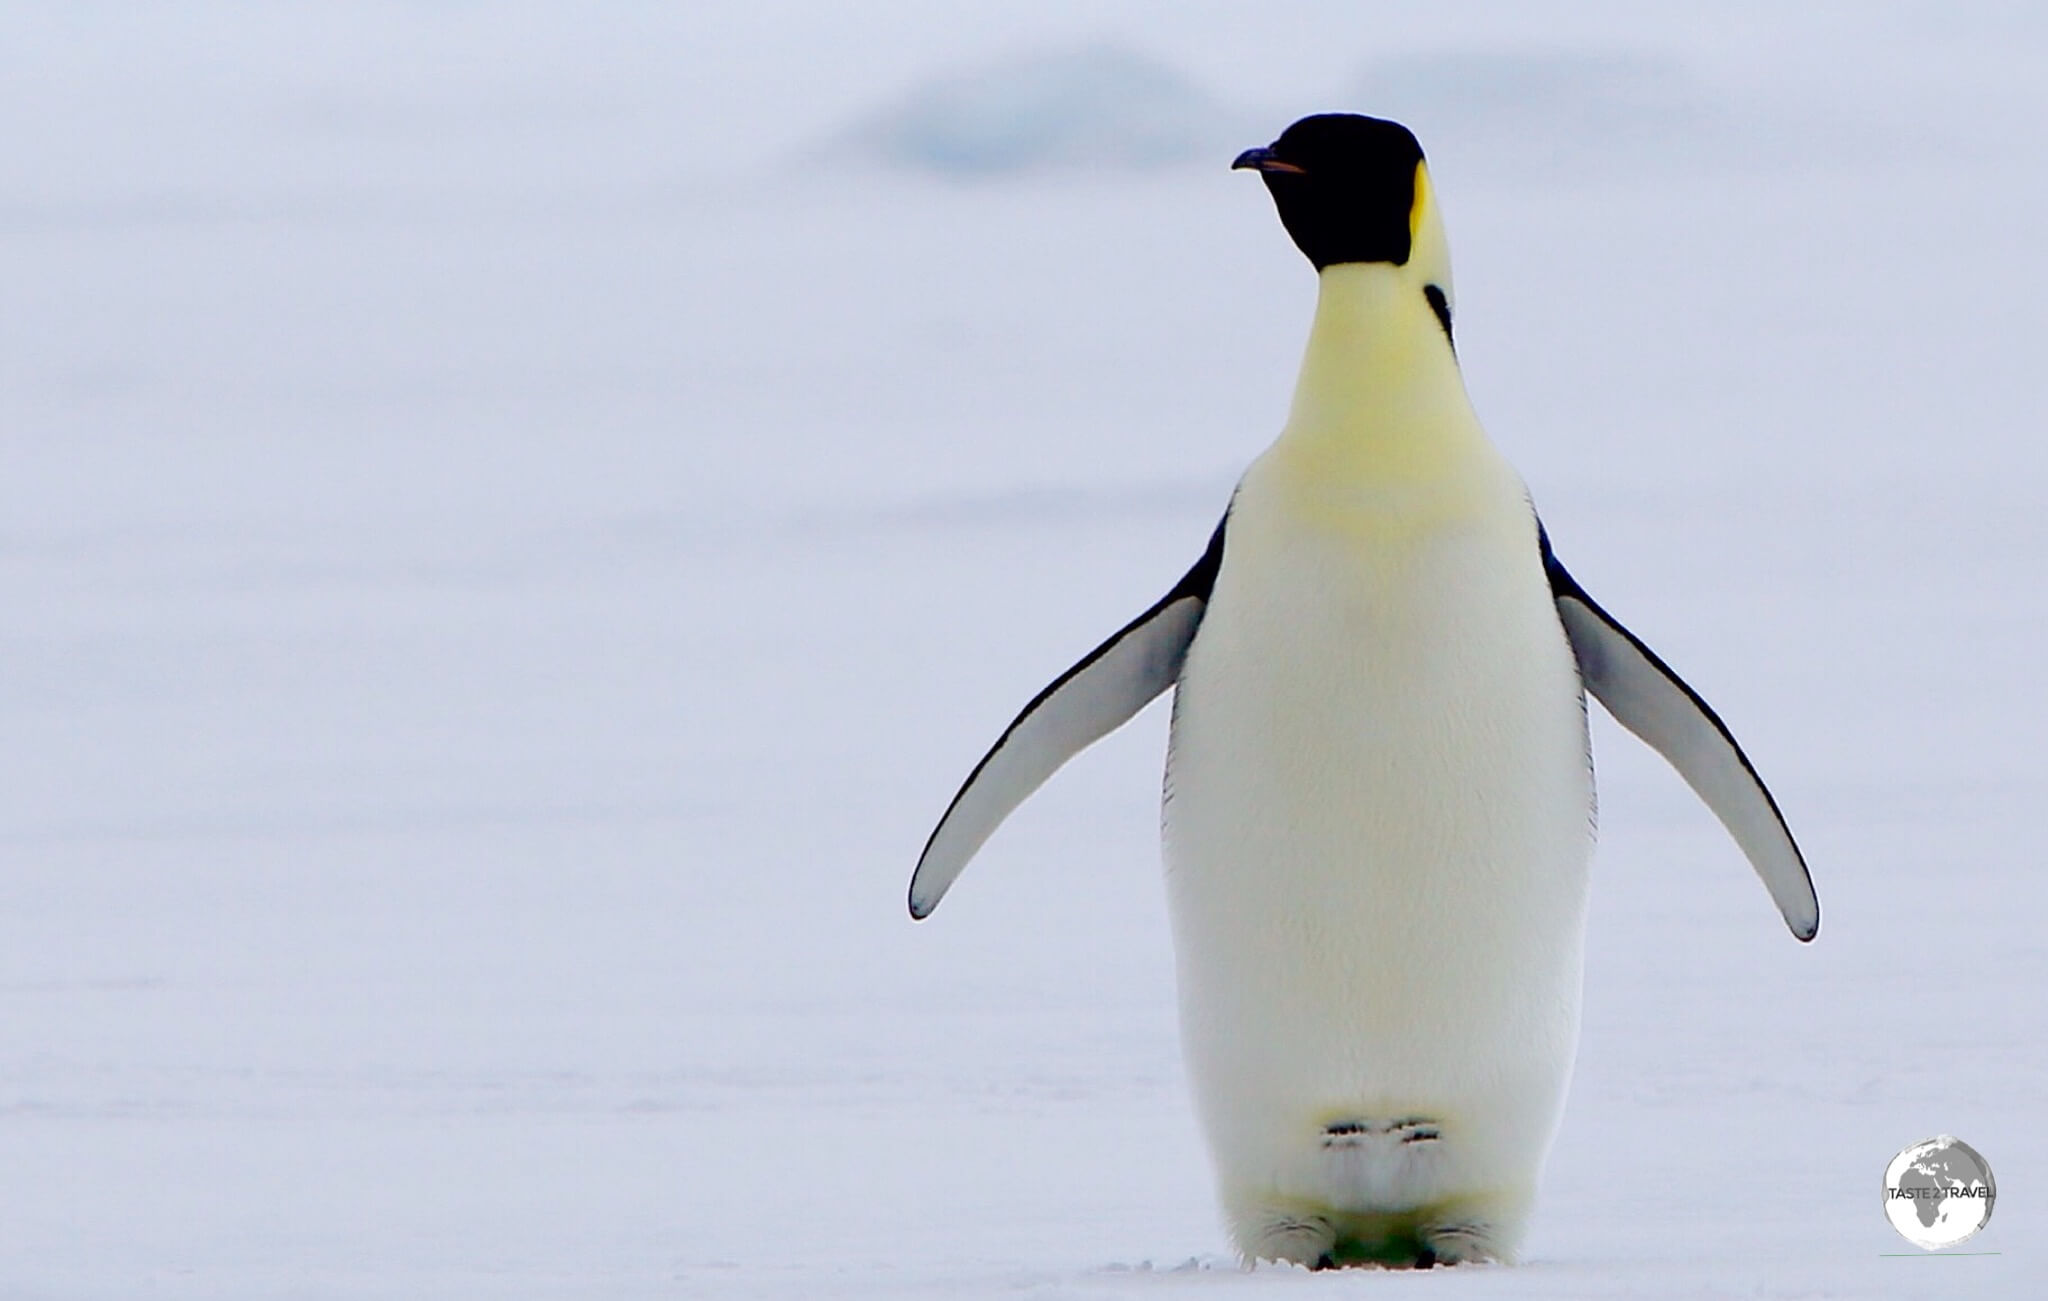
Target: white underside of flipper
x,y
1086,703
1649,699
1378,826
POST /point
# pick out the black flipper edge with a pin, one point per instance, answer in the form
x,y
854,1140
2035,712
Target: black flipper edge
x,y
1649,699
1086,703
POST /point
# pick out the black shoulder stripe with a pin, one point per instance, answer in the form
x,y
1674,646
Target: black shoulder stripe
x,y
1441,305
1199,581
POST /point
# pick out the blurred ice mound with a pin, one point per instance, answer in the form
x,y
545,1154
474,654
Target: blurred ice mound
x,y
1555,115
1096,106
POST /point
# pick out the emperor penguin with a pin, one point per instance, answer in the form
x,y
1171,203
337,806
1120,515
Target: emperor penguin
x,y
1378,808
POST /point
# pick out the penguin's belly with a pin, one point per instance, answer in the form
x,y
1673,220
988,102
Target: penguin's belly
x,y
1378,822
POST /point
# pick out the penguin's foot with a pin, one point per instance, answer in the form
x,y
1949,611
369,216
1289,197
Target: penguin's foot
x,y
1331,1239
1463,1243
1422,1247
1338,1241
1405,1248
1309,1240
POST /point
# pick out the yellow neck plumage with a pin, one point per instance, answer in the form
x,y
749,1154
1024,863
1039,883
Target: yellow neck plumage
x,y
1381,423
1379,395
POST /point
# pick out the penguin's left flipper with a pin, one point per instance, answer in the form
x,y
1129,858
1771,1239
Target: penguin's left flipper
x,y
1086,703
1647,698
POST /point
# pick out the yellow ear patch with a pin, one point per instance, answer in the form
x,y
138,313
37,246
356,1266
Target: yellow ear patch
x,y
1415,214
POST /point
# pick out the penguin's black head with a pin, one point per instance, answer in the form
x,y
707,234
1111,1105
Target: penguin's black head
x,y
1345,186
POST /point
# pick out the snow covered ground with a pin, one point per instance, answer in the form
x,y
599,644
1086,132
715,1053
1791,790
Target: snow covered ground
x,y
507,544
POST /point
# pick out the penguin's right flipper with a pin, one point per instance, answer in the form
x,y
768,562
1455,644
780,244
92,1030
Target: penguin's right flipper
x,y
1086,703
1649,699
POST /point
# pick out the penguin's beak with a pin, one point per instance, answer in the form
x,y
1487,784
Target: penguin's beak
x,y
1263,159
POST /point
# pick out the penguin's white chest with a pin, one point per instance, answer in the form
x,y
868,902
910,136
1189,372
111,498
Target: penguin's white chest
x,y
1378,822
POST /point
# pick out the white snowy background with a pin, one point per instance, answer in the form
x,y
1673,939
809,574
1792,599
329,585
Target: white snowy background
x,y
515,518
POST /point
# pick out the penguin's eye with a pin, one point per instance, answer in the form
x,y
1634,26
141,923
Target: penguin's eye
x,y
1441,305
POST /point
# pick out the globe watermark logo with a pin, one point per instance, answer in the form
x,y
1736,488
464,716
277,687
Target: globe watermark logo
x,y
1939,1192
